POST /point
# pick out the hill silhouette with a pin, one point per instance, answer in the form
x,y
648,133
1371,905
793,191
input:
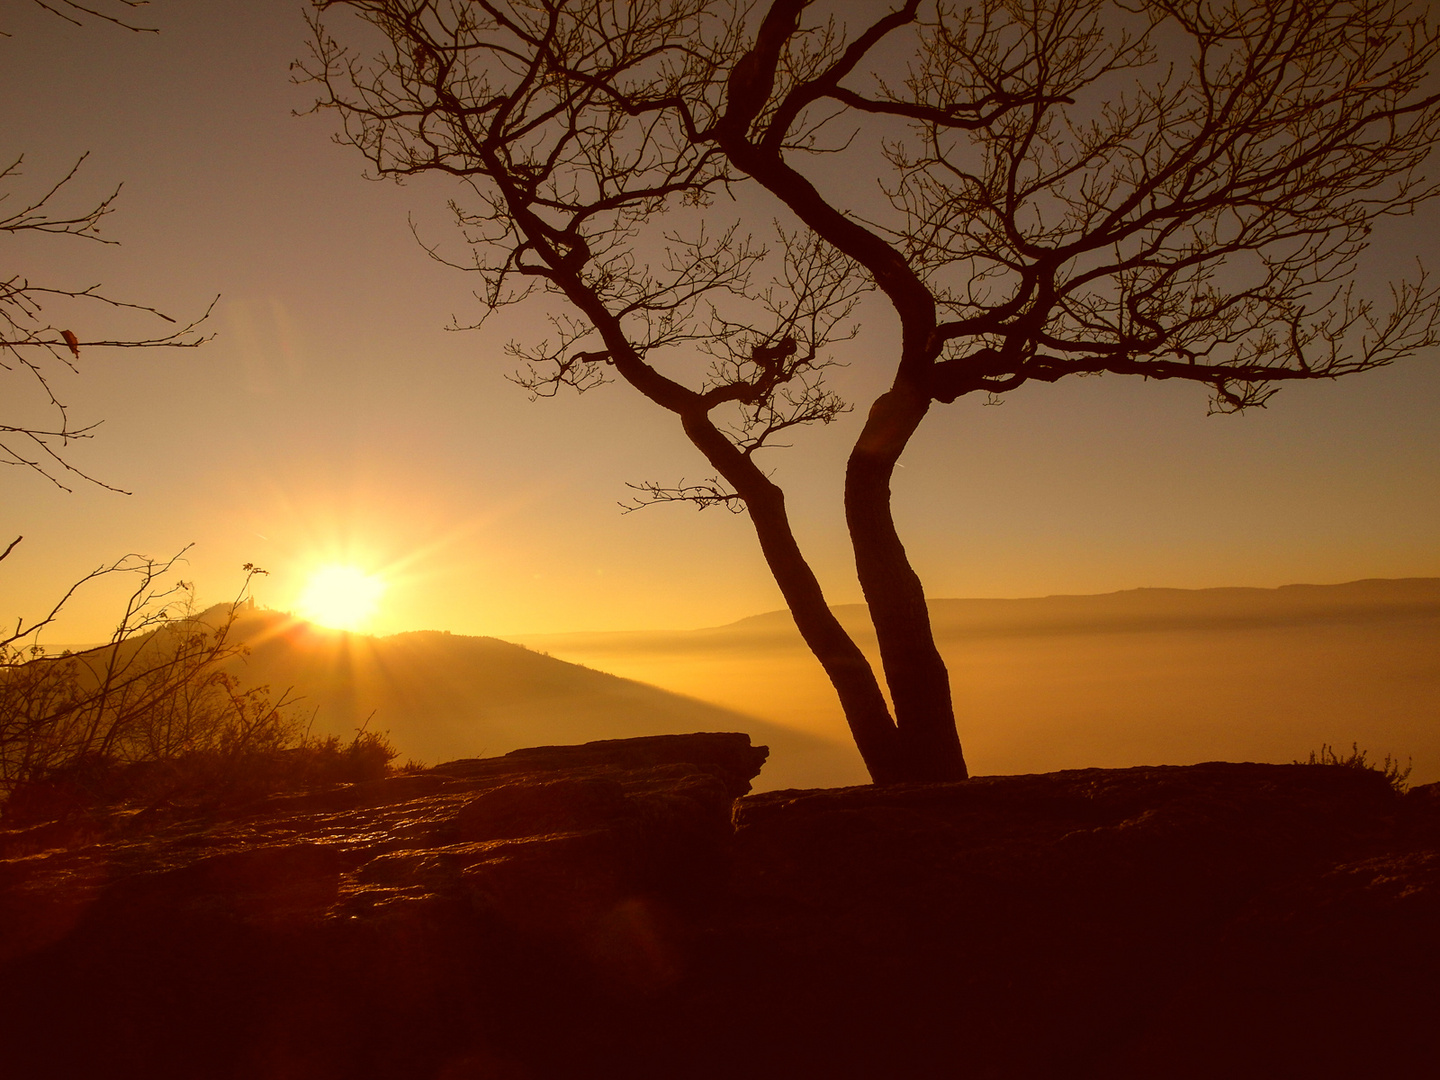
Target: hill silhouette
x,y
444,696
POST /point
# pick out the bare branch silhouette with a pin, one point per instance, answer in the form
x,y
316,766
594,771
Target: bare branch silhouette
x,y
73,12
37,348
156,691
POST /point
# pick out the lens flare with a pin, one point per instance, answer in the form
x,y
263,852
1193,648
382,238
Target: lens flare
x,y
341,597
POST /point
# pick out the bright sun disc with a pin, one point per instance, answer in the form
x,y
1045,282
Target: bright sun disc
x,y
341,597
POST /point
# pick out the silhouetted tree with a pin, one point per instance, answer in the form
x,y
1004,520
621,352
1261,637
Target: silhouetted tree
x,y
1175,189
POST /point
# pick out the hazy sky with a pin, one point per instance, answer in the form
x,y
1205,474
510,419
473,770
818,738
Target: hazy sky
x,y
333,418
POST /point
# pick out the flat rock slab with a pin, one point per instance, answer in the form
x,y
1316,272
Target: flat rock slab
x,y
375,929
1146,922
623,909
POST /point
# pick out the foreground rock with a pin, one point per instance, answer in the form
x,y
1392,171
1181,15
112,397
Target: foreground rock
x,y
598,911
446,922
1219,920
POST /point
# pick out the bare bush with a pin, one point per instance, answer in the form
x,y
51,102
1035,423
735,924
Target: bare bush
x,y
1398,778
158,691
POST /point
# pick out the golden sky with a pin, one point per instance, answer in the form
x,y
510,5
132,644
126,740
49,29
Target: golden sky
x,y
333,419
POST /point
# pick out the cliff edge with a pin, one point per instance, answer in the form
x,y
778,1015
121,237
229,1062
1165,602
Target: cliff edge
x,y
623,908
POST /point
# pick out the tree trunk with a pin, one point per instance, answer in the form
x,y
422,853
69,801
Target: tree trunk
x,y
850,672
929,746
861,699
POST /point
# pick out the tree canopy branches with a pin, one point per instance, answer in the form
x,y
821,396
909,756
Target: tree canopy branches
x,y
1175,189
115,12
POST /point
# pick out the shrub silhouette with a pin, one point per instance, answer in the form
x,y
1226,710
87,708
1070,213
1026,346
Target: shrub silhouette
x,y
155,718
1358,759
200,780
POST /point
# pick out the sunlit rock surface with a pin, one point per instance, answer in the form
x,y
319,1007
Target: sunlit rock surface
x,y
610,910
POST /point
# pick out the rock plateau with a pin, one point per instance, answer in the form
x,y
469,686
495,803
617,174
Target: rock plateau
x,y
623,909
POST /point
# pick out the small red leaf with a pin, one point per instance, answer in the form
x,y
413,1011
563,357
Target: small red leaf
x,y
72,341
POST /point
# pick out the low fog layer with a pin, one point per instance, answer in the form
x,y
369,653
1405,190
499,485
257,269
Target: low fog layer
x,y
1146,676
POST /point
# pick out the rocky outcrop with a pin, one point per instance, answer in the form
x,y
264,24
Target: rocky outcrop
x,y
611,910
1234,920
445,922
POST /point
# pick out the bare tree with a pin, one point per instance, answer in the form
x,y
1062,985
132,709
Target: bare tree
x,y
1175,189
34,347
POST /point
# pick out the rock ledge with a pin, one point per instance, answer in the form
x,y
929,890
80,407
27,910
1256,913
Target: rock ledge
x,y
611,909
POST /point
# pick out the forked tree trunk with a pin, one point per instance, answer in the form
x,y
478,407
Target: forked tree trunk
x,y
861,698
849,671
928,745
920,742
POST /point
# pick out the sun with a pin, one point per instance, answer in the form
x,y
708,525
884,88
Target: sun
x,y
341,597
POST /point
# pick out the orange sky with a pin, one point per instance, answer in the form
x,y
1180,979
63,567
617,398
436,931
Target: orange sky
x,y
333,417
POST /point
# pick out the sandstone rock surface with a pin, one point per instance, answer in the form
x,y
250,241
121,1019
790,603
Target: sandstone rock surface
x,y
395,928
611,910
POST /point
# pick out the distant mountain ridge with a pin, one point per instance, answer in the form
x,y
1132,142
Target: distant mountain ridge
x,y
1139,677
1152,608
1132,610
